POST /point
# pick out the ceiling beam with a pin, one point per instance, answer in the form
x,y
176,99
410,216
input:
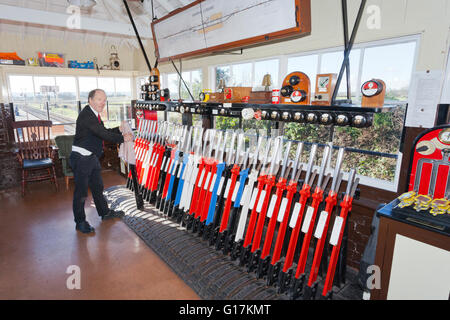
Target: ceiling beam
x,y
185,2
166,5
107,10
18,14
115,7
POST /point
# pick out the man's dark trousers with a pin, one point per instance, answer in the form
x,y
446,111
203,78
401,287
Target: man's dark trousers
x,y
87,173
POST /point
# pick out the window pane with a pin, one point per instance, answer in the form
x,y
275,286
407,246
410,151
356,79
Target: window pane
x,y
173,117
44,96
383,136
223,123
193,80
22,93
119,104
172,80
43,81
331,63
123,88
41,94
196,83
223,73
21,86
187,79
260,126
86,85
107,84
264,67
307,65
66,106
242,75
117,112
197,120
67,87
393,64
307,132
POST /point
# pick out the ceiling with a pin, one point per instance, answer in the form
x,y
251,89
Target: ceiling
x,y
108,19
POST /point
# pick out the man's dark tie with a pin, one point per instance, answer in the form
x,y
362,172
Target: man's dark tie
x,y
100,121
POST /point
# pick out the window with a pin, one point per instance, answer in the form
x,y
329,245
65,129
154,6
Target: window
x,y
374,150
331,63
22,94
108,85
196,83
86,85
184,93
306,64
193,80
66,105
21,86
123,88
266,67
118,92
173,117
248,74
223,73
392,64
172,85
55,98
44,90
241,75
45,99
119,102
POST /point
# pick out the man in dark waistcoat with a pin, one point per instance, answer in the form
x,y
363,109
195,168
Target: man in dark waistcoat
x,y
87,148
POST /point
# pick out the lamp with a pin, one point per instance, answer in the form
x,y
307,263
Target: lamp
x,y
267,82
84,4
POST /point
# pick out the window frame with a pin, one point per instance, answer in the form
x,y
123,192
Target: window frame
x,y
212,69
165,79
283,59
391,186
77,84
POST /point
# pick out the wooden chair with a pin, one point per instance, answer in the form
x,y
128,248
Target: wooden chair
x,y
34,151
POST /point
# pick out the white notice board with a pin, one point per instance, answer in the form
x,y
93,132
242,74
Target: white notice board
x,y
445,99
212,23
423,98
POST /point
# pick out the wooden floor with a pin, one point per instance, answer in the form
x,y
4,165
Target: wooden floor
x,y
38,243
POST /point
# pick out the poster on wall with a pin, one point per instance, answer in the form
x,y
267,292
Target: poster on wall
x,y
445,99
423,98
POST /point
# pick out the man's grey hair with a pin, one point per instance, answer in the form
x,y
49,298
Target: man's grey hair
x,y
92,93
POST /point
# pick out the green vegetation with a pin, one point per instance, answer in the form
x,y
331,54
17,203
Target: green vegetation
x,y
383,136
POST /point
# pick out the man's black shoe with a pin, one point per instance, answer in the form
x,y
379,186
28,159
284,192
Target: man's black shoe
x,y
84,227
113,214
